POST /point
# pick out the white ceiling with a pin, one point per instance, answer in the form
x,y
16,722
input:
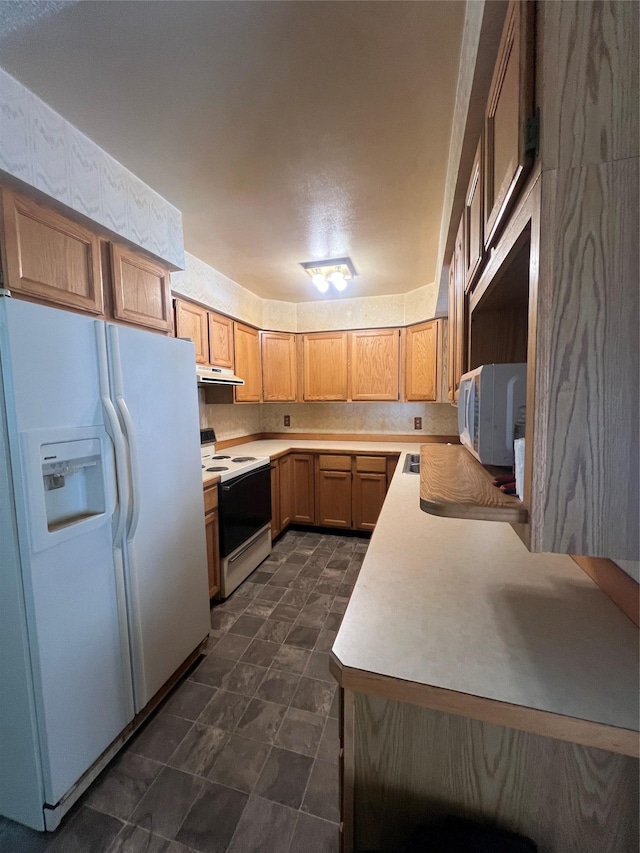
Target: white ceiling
x,y
284,131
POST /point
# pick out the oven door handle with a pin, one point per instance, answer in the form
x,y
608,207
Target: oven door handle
x,y
242,477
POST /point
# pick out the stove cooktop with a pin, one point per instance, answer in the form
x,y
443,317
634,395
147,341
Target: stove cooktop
x,y
227,466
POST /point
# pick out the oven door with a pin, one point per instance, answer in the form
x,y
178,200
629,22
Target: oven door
x,y
244,508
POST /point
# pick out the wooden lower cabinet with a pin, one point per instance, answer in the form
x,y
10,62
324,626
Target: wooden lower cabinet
x,y
334,498
212,536
397,763
302,488
369,492
284,492
275,498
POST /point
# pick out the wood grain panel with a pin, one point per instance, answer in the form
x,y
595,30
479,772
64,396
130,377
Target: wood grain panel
x,y
423,363
302,488
247,363
275,498
589,99
412,764
455,485
560,727
334,498
141,289
192,323
279,373
286,491
212,532
474,219
334,462
499,337
50,257
325,366
623,590
510,104
210,498
375,364
220,340
592,451
369,492
371,464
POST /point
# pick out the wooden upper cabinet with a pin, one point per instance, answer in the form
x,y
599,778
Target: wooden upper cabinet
x,y
509,107
141,289
474,220
50,257
220,340
247,363
423,362
279,374
192,323
457,319
375,364
324,366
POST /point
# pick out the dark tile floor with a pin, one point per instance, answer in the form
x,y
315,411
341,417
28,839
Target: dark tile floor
x,y
243,756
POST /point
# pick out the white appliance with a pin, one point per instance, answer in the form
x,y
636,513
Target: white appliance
x,y
244,509
103,571
490,399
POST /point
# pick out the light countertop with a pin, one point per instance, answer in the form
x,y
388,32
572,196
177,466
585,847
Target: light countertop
x,y
463,605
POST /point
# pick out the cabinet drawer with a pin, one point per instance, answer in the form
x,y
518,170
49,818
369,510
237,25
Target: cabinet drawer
x,y
210,498
335,463
371,464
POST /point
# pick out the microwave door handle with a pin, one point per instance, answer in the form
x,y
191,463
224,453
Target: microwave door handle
x,y
469,404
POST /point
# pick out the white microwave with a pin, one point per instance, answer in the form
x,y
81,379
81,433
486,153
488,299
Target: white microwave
x,y
489,401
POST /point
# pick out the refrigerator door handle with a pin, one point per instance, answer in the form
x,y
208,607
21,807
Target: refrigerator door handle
x,y
129,429
116,433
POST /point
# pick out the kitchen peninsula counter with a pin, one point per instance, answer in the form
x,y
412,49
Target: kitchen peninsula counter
x,y
457,615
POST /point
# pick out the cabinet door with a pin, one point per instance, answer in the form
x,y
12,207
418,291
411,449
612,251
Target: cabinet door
x,y
474,221
278,367
423,365
191,322
247,363
457,318
334,498
285,486
141,289
509,106
369,491
275,498
324,366
50,257
220,340
213,551
375,362
302,488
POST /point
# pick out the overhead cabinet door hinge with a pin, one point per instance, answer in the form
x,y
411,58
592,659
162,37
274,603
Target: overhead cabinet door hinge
x,y
532,134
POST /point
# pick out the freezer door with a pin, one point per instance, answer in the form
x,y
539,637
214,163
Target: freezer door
x,y
75,614
155,392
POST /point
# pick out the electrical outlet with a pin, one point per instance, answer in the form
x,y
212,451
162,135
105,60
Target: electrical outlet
x,y
287,420
417,423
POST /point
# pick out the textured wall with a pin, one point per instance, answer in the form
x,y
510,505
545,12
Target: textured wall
x,y
232,421
205,284
42,149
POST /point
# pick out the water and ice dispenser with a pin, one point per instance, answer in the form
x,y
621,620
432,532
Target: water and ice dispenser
x,y
69,472
73,481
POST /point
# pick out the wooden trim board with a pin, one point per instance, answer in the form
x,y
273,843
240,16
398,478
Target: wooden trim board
x,y
354,436
623,590
454,484
546,723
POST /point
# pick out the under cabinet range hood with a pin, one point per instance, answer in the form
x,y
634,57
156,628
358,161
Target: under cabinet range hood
x,y
217,376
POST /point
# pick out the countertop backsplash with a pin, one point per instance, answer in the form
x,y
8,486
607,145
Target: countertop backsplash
x,y
233,421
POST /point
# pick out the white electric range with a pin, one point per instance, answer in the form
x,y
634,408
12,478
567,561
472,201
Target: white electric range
x,y
244,510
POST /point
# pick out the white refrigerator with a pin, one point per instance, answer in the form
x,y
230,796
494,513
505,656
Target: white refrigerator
x,y
103,567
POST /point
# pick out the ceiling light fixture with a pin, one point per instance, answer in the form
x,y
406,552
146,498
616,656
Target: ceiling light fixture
x,y
337,271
